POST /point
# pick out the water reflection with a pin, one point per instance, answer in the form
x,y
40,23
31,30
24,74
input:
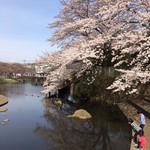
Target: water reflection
x,y
36,123
105,131
25,111
19,89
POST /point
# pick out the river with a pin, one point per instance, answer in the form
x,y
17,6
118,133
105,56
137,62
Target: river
x,y
35,123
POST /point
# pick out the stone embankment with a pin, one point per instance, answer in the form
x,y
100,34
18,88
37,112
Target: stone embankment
x,y
130,108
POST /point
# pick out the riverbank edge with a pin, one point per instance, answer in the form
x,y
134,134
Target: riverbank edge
x,y
7,80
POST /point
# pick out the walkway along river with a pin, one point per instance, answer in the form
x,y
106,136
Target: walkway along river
x,y
35,123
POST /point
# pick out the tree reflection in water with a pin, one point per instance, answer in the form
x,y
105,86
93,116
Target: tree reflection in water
x,y
105,131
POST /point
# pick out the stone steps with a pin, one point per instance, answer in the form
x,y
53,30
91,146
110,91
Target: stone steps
x,y
146,99
141,105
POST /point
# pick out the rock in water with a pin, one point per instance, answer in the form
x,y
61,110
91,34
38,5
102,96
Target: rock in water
x,y
3,100
2,109
58,102
5,120
81,114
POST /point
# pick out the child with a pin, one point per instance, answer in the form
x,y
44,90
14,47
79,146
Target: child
x,y
141,140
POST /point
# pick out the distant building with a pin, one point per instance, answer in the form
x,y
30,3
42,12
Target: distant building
x,y
41,70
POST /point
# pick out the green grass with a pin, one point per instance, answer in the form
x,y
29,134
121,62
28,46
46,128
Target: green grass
x,y
5,80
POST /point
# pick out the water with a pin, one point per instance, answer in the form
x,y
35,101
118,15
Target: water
x,y
35,123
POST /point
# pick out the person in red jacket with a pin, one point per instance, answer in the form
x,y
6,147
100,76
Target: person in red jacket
x,y
141,140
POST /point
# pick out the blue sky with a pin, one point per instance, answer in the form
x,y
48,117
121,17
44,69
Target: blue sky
x,y
24,28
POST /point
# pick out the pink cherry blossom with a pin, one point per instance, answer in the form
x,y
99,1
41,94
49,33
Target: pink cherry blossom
x,y
85,27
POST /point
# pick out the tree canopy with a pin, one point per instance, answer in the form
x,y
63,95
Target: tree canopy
x,y
8,69
96,33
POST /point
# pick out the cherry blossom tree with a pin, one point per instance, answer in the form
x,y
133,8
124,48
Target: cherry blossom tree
x,y
133,59
12,69
93,32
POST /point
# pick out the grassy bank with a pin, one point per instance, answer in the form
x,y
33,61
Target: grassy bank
x,y
5,80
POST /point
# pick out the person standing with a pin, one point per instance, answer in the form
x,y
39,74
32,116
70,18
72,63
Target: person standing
x,y
142,119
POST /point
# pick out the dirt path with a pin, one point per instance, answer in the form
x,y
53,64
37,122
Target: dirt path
x,y
131,112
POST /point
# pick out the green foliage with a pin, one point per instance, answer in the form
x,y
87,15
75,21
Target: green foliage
x,y
96,91
4,80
